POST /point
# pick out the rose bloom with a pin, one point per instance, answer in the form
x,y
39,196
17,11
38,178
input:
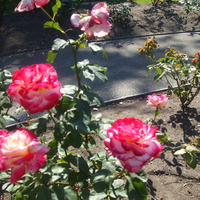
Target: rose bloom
x,y
158,101
96,23
26,5
35,87
133,142
22,152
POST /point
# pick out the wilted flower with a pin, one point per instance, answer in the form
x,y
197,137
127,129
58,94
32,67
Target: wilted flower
x,y
26,5
35,87
96,23
21,152
158,101
133,142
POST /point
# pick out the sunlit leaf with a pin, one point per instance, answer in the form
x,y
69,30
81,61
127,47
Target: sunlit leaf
x,y
97,47
59,44
51,24
56,7
191,160
99,71
51,56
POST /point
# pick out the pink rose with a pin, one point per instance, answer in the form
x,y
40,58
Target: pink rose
x,y
158,101
26,5
133,142
35,87
21,151
96,23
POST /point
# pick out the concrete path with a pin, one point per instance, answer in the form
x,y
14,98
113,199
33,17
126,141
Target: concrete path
x,y
126,67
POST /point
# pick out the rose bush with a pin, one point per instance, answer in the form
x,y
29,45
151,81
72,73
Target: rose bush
x,y
21,152
133,142
35,87
26,5
158,101
95,24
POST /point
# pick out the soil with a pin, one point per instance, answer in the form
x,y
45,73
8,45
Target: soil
x,y
169,176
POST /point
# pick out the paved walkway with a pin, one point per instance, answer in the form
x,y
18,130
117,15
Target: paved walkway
x,y
126,67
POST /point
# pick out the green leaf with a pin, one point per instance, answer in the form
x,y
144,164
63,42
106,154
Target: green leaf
x,y
158,70
81,127
191,160
51,56
70,193
97,195
7,105
117,183
136,189
65,104
51,24
118,193
104,124
82,44
180,152
45,178
192,149
56,7
74,139
57,168
82,64
110,166
79,162
88,74
58,193
100,180
91,97
53,144
60,131
42,126
163,137
141,175
41,192
97,47
99,71
2,123
77,176
159,76
58,44
69,89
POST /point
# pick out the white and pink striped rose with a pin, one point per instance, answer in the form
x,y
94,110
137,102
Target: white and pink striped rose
x,y
133,142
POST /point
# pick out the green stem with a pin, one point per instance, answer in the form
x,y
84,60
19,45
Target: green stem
x,y
50,113
46,13
76,67
74,50
120,173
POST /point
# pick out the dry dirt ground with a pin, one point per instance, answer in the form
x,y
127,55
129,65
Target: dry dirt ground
x,y
169,177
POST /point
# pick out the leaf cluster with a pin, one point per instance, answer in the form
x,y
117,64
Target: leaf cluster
x,y
180,71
